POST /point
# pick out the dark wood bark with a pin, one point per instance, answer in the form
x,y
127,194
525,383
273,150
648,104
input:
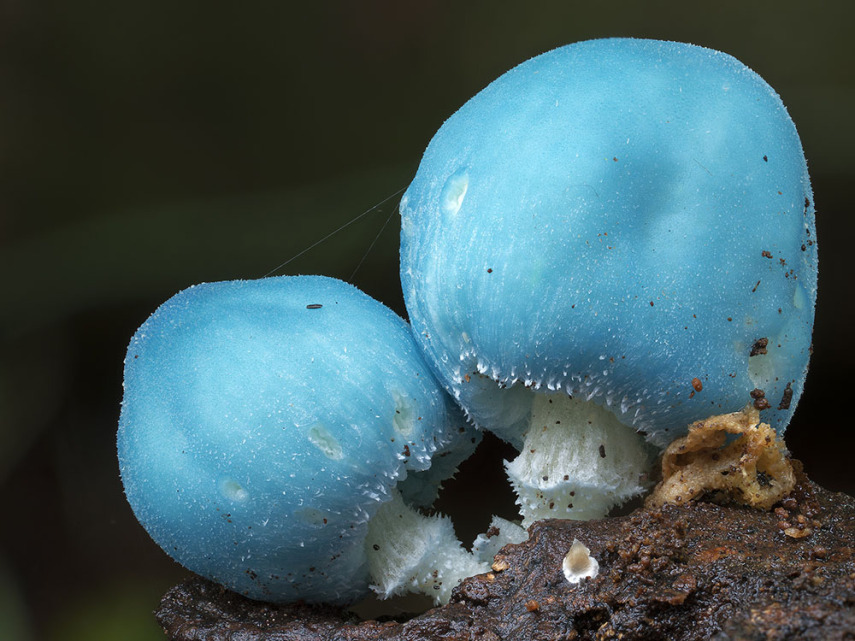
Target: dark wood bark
x,y
700,571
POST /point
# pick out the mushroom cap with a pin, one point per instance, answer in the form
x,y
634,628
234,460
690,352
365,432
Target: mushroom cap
x,y
263,424
625,220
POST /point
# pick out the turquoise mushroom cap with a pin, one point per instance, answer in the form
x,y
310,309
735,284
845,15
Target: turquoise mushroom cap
x,y
625,222
265,422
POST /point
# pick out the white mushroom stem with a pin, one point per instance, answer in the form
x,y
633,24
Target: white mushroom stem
x,y
577,462
410,552
500,534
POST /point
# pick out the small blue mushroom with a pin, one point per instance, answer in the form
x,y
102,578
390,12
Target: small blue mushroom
x,y
616,237
267,424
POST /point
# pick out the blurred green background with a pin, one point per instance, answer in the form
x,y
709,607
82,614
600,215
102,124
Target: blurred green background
x,y
146,146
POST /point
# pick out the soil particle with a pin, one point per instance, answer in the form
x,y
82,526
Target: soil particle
x,y
687,572
759,347
786,397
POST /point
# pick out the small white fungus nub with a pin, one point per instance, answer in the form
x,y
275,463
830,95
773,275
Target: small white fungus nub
x,y
579,564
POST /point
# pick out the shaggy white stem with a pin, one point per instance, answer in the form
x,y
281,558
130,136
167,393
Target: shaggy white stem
x,y
410,552
500,534
578,461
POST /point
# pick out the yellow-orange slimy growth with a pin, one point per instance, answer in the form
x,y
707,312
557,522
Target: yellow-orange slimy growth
x,y
753,469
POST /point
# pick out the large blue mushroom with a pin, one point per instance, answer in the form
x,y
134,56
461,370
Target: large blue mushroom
x,y
275,435
610,241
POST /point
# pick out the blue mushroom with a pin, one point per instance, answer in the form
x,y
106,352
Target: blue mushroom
x,y
268,425
610,241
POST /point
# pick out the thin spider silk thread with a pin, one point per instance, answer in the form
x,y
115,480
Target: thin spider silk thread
x,y
342,228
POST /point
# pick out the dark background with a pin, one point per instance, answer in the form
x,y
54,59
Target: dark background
x,y
146,146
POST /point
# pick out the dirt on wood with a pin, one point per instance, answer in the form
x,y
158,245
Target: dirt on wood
x,y
696,571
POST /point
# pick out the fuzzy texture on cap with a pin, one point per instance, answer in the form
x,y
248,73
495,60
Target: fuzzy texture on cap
x,y
628,221
263,424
